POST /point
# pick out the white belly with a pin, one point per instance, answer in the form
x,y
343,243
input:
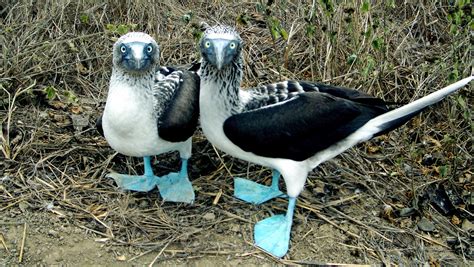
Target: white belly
x,y
130,126
213,114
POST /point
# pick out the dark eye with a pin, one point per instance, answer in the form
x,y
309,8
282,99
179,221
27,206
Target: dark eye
x,y
123,49
149,49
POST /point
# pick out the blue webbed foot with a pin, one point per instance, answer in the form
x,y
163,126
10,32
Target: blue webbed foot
x,y
176,187
255,193
140,183
273,234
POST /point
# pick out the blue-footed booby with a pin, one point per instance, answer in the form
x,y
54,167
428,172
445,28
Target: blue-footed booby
x,y
289,126
150,110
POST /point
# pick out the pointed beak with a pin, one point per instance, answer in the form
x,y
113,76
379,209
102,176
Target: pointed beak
x,y
136,60
219,49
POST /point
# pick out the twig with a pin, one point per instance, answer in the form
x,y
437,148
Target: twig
x,y
340,201
324,218
236,216
222,161
360,223
20,258
3,243
218,196
161,252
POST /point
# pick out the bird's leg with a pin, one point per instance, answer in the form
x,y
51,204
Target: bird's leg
x,y
141,183
147,167
256,193
275,179
273,234
176,187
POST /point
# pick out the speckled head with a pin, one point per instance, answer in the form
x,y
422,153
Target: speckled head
x,y
136,52
220,46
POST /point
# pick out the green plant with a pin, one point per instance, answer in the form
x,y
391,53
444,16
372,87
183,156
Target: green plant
x,y
121,29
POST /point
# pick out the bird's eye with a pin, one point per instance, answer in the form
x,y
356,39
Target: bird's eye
x,y
207,44
232,45
149,49
123,49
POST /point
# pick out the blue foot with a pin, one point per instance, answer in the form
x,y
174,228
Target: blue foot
x,y
176,187
273,234
140,183
256,193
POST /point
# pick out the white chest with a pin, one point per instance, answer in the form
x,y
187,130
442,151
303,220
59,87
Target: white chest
x,y
129,123
214,112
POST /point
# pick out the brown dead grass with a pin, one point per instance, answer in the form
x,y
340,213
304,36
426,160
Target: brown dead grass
x,y
49,166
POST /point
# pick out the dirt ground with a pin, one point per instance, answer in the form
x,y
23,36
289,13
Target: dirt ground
x,y
405,198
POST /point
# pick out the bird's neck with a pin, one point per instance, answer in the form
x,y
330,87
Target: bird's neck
x,y
223,85
131,80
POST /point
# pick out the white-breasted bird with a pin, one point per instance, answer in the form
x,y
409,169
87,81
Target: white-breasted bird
x,y
150,110
289,126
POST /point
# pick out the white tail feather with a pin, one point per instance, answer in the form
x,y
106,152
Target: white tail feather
x,y
417,104
375,125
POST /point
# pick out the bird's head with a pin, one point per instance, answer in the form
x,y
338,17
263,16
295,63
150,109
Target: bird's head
x,y
220,46
136,52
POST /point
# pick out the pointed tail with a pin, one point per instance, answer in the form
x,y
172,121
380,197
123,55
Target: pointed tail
x,y
397,117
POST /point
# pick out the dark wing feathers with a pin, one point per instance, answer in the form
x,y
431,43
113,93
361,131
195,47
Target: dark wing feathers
x,y
269,94
179,119
302,126
98,125
347,93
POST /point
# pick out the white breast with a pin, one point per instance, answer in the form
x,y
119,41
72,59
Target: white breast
x,y
214,112
130,124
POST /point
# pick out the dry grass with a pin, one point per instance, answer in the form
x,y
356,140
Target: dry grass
x,y
63,48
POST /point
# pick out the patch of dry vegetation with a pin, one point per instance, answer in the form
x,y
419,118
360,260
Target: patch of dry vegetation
x,y
54,71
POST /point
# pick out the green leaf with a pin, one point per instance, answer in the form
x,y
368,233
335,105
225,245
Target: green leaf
x,y
122,29
84,18
328,6
351,59
391,3
461,102
284,34
365,6
443,170
377,43
186,18
369,68
275,33
111,27
71,97
368,33
50,92
243,19
310,30
454,75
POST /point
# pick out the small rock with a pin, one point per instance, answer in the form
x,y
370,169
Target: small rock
x,y
406,212
23,206
53,233
121,258
467,225
235,228
407,168
425,225
79,121
209,216
144,204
